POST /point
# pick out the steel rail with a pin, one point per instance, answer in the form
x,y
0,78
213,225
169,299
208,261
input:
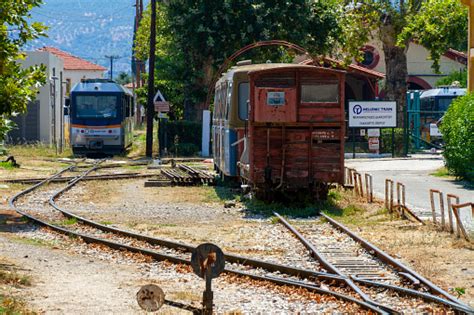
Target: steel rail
x,y
393,262
326,264
411,292
91,177
165,257
298,272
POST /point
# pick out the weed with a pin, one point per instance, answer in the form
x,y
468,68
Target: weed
x,y
12,278
441,172
70,221
13,306
33,241
274,220
459,291
6,166
37,150
105,222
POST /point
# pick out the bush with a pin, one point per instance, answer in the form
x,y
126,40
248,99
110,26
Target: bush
x,y
458,134
184,149
188,137
386,141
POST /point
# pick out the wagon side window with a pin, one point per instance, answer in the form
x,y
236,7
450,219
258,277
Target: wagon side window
x,y
319,92
243,100
228,100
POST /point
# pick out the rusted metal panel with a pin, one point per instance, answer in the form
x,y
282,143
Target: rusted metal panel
x,y
295,144
275,105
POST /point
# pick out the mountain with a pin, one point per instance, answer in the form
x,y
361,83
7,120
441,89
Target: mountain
x,y
90,29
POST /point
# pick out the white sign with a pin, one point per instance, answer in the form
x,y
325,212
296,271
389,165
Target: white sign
x,y
374,144
362,132
380,114
434,131
373,132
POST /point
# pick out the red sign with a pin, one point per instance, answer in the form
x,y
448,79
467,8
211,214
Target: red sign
x,y
162,107
374,144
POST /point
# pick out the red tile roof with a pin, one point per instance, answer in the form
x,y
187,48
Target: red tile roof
x,y
456,55
72,62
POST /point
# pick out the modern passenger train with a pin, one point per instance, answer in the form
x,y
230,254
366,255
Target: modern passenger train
x,y
101,114
280,128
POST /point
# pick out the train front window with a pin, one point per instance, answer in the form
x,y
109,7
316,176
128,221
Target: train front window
x,y
244,89
319,93
92,106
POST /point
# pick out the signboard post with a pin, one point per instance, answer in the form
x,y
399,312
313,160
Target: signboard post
x,y
373,114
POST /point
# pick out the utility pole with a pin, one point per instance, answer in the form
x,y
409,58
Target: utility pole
x,y
150,107
111,57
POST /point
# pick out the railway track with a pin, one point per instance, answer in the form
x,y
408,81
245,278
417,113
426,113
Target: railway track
x,y
178,253
376,277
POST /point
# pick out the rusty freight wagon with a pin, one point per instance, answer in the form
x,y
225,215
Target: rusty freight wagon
x,y
280,128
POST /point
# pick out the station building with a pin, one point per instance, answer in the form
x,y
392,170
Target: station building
x,y
44,120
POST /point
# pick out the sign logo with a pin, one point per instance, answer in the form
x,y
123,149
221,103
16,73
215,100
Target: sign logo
x,y
357,109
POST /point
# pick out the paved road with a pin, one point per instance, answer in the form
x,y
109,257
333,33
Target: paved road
x,y
414,172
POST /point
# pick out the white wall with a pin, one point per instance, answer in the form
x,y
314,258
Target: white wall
x,y
49,95
77,75
419,64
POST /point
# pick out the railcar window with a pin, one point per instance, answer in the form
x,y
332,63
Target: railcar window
x,y
244,89
320,93
228,100
91,106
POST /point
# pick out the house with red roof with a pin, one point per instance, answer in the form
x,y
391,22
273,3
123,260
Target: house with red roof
x,y
76,68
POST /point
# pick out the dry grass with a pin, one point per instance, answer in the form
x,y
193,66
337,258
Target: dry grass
x,y
437,255
11,277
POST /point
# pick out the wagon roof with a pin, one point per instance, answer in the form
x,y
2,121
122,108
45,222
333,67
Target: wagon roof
x,y
270,66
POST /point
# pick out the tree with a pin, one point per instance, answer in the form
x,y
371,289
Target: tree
x,y
436,24
123,78
459,78
17,86
195,37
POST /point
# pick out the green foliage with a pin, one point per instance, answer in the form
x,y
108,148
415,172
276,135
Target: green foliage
x,y
195,37
6,166
438,25
386,140
123,78
459,291
458,130
183,149
17,86
187,131
456,76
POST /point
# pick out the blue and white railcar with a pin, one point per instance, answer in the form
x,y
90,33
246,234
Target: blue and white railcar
x,y
101,114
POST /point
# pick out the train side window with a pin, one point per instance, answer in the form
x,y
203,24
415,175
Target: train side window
x,y
244,89
319,92
228,100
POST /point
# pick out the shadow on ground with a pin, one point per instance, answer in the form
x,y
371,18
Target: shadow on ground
x,y
299,208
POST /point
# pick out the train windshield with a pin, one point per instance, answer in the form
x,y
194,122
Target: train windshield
x,y
96,106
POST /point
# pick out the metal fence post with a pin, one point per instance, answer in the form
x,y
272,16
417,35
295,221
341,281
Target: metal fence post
x,y
449,197
389,194
369,188
460,227
433,209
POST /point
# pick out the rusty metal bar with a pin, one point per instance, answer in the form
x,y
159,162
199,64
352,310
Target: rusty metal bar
x,y
449,197
389,195
460,226
361,187
433,208
391,261
369,188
